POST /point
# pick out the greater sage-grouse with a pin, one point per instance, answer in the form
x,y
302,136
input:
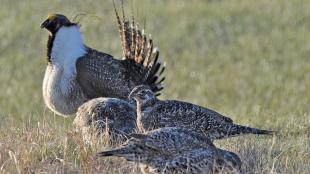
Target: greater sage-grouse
x,y
153,113
76,73
102,115
174,150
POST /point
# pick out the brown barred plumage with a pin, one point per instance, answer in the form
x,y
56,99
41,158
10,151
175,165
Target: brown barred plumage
x,y
153,113
174,150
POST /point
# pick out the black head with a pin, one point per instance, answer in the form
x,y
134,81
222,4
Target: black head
x,y
142,94
55,21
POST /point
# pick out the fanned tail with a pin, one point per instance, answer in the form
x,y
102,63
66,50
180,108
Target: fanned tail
x,y
139,48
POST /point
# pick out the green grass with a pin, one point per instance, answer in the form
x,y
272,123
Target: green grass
x,y
248,60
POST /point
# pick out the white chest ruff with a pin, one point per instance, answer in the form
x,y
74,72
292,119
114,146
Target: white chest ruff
x,y
61,92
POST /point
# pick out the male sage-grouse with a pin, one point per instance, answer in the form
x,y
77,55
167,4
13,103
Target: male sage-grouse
x,y
153,113
176,150
76,73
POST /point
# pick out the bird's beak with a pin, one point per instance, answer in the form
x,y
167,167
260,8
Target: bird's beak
x,y
45,23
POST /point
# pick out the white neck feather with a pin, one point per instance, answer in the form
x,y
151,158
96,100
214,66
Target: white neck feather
x,y
68,46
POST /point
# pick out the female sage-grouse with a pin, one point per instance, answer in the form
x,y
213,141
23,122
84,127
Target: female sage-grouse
x,y
173,150
102,115
153,113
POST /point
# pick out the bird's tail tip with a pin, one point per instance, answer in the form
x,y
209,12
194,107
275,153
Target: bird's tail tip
x,y
267,132
251,130
107,153
239,130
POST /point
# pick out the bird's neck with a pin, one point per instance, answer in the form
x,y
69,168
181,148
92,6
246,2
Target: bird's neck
x,y
66,44
146,104
143,107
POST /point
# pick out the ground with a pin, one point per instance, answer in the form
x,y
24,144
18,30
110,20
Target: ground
x,y
246,59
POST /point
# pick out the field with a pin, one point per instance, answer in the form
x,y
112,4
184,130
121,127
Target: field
x,y
249,60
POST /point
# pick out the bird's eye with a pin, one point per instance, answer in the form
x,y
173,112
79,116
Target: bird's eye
x,y
142,93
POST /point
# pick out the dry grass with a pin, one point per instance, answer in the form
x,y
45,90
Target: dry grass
x,y
246,59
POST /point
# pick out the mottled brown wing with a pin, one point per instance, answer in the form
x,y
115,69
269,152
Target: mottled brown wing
x,y
100,75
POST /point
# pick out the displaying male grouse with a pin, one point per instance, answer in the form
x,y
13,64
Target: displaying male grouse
x,y
76,73
153,113
175,150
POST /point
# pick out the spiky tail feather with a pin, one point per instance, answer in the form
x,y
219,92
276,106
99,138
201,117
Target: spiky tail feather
x,y
114,152
139,48
233,130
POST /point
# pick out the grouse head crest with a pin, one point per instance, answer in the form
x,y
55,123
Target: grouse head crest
x,y
56,21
